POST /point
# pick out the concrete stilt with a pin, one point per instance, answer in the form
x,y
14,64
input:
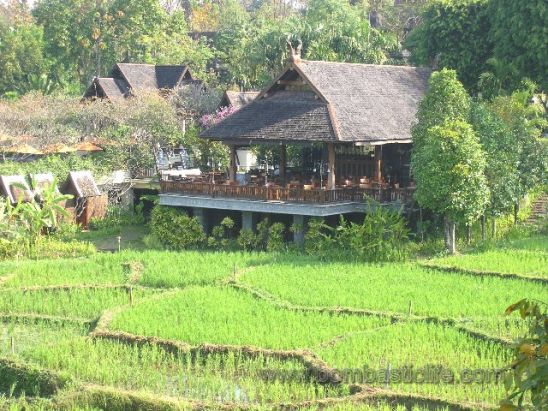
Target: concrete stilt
x,y
248,220
200,214
299,223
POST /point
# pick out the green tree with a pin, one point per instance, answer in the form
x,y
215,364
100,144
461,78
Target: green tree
x,y
254,48
86,38
447,161
446,100
518,33
502,161
455,35
525,120
449,170
22,61
336,31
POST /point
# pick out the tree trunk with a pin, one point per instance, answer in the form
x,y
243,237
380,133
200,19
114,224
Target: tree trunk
x,y
469,234
516,210
450,235
483,231
494,228
421,231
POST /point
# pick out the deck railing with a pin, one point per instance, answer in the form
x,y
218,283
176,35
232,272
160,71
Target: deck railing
x,y
294,195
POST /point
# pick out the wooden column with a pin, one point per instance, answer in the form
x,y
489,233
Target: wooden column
x,y
283,162
331,166
378,163
232,168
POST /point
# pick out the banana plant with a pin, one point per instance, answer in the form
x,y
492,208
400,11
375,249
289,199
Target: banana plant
x,y
34,217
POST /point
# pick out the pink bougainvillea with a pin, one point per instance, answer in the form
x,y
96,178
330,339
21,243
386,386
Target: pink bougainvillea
x,y
209,120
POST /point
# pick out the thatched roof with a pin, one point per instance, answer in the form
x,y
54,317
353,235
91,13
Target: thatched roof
x,y
15,188
41,182
237,99
25,148
58,148
82,184
340,102
127,78
107,87
87,147
150,76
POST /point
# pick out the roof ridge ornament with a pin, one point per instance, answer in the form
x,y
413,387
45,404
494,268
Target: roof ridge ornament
x,y
295,53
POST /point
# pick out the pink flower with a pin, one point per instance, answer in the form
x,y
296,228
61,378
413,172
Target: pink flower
x,y
209,120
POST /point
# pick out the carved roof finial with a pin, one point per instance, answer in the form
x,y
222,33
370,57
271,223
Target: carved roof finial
x,y
295,53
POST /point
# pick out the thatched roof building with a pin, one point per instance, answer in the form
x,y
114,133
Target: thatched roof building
x,y
128,79
15,188
237,99
330,102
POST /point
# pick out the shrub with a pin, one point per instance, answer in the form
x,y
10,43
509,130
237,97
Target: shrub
x,y
220,234
382,236
8,249
275,242
261,238
152,242
526,376
175,229
317,240
246,239
117,217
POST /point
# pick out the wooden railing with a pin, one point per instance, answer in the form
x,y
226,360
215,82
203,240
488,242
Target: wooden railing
x,y
294,195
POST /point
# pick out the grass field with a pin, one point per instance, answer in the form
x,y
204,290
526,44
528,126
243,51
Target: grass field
x,y
233,330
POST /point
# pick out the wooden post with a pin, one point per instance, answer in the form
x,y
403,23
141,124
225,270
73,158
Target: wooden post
x,y
378,163
232,167
331,166
283,162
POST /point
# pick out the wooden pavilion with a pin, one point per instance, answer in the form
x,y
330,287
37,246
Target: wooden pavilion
x,y
357,116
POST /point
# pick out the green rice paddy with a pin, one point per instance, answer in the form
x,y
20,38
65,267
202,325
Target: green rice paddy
x,y
255,330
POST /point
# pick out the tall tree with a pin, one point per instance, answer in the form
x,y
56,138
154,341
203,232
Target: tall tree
x,y
519,32
22,61
502,161
447,161
525,119
85,38
453,34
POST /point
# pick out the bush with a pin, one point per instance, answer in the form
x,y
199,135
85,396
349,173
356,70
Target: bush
x,y
117,217
261,237
152,242
247,239
275,242
8,249
220,234
318,240
383,236
175,229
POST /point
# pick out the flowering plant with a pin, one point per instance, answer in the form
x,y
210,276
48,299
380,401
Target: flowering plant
x,y
209,120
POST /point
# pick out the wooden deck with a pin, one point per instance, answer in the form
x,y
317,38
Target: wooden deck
x,y
290,195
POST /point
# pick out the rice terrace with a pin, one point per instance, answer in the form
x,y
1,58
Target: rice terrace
x,y
166,330
286,205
